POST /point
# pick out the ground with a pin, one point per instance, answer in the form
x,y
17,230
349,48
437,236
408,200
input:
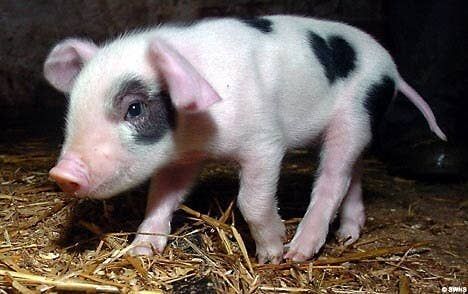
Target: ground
x,y
415,237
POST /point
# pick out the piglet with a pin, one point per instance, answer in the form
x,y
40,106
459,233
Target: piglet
x,y
156,103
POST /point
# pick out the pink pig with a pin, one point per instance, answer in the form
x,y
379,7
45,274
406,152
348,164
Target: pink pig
x,y
156,103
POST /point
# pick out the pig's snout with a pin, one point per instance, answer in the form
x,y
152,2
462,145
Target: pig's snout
x,y
71,174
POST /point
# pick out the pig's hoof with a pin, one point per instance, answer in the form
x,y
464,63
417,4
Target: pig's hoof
x,y
269,241
295,256
141,250
148,245
272,255
271,251
303,247
348,232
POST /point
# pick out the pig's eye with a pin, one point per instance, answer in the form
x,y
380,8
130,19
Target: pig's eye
x,y
135,109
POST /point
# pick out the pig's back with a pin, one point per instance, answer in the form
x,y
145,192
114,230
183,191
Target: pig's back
x,y
311,91
269,76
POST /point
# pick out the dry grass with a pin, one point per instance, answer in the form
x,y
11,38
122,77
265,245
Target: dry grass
x,y
51,243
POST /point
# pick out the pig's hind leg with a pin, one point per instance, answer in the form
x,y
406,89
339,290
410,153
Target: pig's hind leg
x,y
256,200
345,138
168,188
352,215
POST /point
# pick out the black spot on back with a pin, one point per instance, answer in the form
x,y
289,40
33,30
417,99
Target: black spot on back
x,y
262,24
378,99
335,54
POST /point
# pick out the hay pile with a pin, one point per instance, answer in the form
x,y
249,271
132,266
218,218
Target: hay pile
x,y
51,243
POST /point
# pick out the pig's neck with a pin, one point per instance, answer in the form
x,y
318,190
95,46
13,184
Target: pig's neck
x,y
193,136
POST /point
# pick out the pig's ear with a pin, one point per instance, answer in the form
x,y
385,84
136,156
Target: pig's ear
x,y
65,61
189,91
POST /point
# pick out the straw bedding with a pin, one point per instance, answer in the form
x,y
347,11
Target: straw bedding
x,y
414,240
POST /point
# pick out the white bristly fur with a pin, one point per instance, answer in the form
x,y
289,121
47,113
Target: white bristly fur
x,y
274,96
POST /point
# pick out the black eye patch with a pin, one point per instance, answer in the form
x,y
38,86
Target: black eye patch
x,y
151,115
132,86
157,119
134,110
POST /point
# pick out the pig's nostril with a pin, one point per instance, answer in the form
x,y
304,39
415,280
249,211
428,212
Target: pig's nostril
x,y
65,182
69,187
74,186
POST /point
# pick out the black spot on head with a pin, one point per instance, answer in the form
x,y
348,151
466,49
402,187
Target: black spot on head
x,y
156,116
335,54
262,24
378,99
160,118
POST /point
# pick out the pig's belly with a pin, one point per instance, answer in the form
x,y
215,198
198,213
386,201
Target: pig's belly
x,y
304,118
303,131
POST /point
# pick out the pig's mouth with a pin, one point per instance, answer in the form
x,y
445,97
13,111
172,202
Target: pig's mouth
x,y
100,179
74,178
110,185
105,189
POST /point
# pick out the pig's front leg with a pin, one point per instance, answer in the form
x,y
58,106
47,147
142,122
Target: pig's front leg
x,y
257,202
167,189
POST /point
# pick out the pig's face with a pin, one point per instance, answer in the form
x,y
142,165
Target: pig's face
x,y
121,135
122,111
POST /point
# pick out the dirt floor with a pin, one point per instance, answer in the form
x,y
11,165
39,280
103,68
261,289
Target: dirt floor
x,y
415,238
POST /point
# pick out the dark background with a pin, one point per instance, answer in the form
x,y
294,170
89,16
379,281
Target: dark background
x,y
427,39
28,30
